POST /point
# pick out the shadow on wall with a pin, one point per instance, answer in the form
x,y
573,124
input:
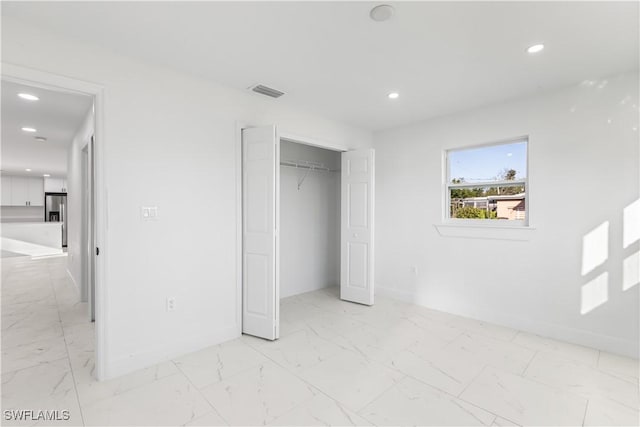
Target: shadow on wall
x,y
595,252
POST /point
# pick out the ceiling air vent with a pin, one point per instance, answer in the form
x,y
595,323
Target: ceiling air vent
x,y
264,90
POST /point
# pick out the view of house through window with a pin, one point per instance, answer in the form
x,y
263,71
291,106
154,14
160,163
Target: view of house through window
x,y
488,182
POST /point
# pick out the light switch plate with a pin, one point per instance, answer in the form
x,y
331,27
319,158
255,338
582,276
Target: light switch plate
x,y
171,303
149,213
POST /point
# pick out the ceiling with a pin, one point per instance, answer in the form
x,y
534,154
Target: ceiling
x,y
57,116
331,59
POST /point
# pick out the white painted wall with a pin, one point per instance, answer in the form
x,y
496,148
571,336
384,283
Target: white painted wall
x,y
75,212
170,142
584,170
309,221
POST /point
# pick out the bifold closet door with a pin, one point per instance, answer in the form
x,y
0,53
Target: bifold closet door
x,y
260,293
357,220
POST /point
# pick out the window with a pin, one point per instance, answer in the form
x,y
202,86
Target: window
x,y
488,182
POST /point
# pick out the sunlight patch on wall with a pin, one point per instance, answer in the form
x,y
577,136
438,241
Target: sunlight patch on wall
x,y
631,271
595,247
595,293
631,224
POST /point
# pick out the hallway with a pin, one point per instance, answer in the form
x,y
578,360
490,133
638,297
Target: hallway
x,y
45,333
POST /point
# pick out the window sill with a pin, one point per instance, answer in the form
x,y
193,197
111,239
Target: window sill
x,y
482,231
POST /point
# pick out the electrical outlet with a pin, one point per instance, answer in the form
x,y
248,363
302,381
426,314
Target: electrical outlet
x,y
171,304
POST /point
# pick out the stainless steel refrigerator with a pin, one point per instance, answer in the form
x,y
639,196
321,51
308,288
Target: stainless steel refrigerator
x,y
55,210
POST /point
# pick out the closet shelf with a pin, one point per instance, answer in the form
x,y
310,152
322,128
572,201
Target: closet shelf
x,y
308,165
305,164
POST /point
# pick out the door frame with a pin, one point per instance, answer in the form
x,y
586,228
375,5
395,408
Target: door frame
x,y
283,134
84,253
50,81
88,225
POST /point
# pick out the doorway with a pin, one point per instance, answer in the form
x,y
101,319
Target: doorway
x,y
309,218
307,223
92,236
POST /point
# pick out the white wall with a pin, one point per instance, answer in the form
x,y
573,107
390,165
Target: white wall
x,y
584,166
309,221
75,212
170,142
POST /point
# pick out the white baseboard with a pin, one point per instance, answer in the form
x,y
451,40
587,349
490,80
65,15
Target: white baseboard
x,y
395,294
563,333
305,290
161,354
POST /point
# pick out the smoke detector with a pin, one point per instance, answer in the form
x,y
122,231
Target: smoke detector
x,y
265,90
40,138
382,12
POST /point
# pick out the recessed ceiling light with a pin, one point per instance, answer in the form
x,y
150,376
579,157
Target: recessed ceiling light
x,y
381,13
28,170
28,129
46,175
28,97
535,48
40,138
393,95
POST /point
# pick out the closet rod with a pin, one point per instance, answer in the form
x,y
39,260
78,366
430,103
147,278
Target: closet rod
x,y
307,166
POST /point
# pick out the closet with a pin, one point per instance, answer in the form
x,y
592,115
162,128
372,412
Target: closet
x,y
309,218
307,222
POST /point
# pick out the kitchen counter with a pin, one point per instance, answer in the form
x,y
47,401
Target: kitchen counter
x,y
48,234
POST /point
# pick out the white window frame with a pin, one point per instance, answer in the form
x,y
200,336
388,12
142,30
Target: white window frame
x,y
448,186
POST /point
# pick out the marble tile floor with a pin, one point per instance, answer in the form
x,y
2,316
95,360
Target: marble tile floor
x,y
336,363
